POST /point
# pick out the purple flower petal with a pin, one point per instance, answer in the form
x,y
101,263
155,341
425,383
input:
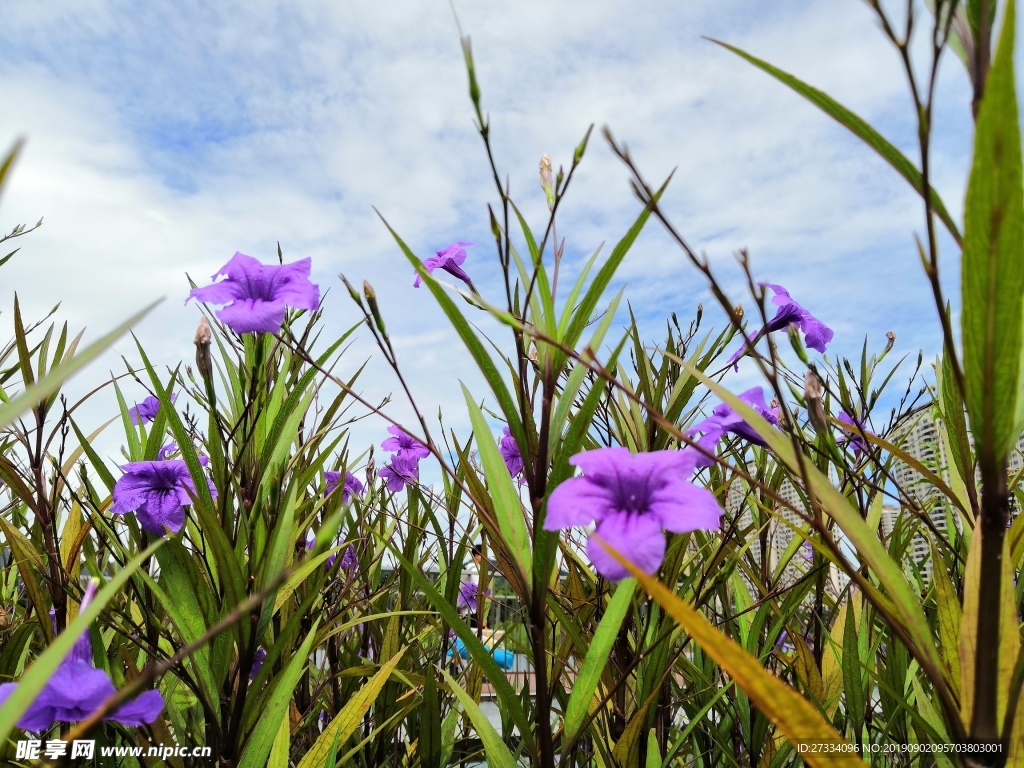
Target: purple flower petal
x,y
403,470
816,334
253,316
638,538
450,260
510,453
156,491
633,498
852,438
724,419
352,486
257,294
147,410
404,443
142,710
257,662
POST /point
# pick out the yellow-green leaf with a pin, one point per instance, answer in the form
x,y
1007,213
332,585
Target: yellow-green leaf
x,y
346,722
797,718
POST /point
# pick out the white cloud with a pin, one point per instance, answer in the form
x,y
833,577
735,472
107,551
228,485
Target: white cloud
x,y
161,140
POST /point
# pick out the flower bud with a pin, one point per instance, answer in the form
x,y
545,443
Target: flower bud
x,y
545,180
890,340
371,300
812,396
204,335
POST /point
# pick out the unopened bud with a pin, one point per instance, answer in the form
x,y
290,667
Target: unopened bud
x,y
371,300
352,291
204,334
812,396
890,340
545,179
371,471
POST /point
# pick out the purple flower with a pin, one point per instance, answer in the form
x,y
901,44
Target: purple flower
x,y
405,444
450,260
348,557
816,333
146,411
469,593
77,689
157,492
403,470
257,663
854,438
783,642
510,453
257,294
724,419
166,451
633,498
171,448
351,487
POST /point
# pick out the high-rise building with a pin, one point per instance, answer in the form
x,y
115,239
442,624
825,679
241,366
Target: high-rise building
x,y
920,439
778,534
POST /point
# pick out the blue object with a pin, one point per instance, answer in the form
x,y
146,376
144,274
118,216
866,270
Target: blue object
x,y
505,659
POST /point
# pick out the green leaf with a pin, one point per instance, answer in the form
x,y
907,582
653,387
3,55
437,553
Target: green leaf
x,y
948,614
498,754
429,747
508,508
594,662
346,722
992,275
858,127
797,718
481,655
36,677
853,687
50,383
29,563
869,548
5,167
24,357
261,740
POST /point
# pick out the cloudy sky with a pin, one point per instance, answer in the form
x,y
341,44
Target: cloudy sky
x,y
163,137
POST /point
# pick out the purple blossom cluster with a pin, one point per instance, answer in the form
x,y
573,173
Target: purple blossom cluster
x,y
404,467
77,689
349,560
351,487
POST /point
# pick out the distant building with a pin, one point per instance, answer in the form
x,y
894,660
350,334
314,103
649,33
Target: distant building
x,y
778,534
920,439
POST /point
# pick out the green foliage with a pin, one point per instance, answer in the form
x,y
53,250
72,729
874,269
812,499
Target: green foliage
x,y
815,612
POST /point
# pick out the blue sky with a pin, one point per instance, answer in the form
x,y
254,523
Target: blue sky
x,y
164,137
